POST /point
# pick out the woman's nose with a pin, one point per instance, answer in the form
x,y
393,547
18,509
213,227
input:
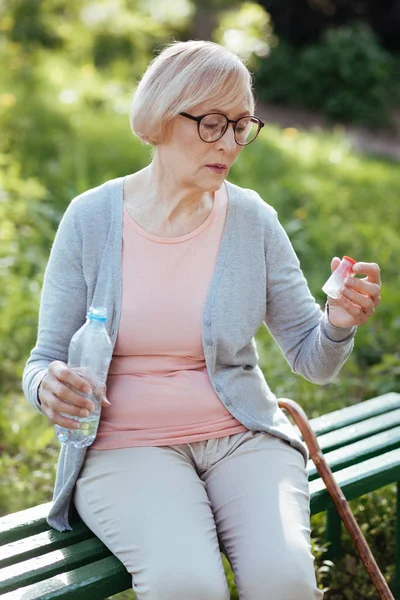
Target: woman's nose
x,y
228,139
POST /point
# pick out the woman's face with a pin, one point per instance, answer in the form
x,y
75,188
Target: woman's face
x,y
193,161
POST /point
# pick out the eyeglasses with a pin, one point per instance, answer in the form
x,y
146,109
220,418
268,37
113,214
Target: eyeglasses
x,y
212,127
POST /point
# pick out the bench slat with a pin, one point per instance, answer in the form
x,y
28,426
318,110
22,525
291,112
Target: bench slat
x,y
24,523
53,563
358,480
357,431
359,451
357,412
90,582
42,543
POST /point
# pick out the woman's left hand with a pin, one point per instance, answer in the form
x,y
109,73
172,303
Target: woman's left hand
x,y
359,297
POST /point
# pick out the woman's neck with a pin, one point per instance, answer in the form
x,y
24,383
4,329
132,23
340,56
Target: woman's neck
x,y
171,197
162,206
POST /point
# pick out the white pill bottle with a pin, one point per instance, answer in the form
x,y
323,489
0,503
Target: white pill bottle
x,y
335,283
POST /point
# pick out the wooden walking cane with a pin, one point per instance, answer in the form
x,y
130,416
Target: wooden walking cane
x,y
343,508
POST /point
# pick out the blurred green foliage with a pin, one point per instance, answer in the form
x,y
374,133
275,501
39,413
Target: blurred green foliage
x,y
303,21
246,30
64,104
346,75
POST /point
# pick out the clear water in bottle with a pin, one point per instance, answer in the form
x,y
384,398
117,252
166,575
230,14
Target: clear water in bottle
x,y
89,353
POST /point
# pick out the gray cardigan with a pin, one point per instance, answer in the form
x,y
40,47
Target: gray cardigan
x,y
257,278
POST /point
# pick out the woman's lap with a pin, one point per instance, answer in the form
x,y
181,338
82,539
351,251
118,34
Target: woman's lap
x,y
159,508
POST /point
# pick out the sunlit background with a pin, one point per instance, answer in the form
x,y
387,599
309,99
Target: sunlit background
x,y
326,76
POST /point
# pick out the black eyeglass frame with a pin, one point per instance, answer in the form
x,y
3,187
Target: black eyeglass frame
x,y
235,121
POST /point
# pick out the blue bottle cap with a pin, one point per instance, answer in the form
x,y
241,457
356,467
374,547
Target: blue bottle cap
x,y
98,313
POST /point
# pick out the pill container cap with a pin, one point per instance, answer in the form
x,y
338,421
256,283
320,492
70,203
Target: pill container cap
x,y
349,259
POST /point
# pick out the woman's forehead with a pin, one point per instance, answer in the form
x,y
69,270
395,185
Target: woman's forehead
x,y
231,111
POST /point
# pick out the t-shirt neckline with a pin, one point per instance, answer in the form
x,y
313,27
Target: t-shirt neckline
x,y
181,238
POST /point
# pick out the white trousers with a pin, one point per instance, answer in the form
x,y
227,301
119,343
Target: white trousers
x,y
163,510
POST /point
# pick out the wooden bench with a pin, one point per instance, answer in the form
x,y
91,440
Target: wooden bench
x,y
362,447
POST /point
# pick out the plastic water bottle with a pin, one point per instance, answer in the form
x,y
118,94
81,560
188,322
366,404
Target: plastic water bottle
x,y
90,353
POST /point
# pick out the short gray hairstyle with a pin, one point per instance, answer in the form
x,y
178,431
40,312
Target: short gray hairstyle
x,y
183,75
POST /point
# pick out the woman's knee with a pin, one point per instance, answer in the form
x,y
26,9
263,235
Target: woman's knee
x,y
283,579
195,584
286,588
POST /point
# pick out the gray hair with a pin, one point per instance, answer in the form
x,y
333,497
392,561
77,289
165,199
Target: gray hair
x,y
183,75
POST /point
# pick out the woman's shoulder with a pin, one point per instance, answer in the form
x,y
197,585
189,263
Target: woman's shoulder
x,y
250,202
98,198
93,210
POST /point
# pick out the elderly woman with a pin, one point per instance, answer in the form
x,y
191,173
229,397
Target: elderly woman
x,y
193,455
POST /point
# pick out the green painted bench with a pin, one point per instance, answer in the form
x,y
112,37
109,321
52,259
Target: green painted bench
x,y
361,444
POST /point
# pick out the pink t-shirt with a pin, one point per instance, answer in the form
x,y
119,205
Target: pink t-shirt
x,y
158,383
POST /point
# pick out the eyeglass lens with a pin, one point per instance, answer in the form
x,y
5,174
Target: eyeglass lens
x,y
213,126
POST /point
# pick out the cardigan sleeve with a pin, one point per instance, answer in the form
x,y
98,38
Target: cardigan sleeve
x,y
62,306
312,346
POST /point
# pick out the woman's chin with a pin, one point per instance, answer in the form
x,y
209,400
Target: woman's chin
x,y
212,184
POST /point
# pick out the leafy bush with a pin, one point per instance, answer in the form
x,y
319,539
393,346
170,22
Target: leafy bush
x,y
347,76
303,21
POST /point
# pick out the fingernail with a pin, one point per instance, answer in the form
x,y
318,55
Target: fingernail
x,y
84,413
107,401
87,390
77,425
90,406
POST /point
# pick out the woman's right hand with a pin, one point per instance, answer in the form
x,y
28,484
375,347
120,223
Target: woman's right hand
x,y
57,396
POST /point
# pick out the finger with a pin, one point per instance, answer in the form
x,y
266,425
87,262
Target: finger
x,y
335,262
65,422
53,388
365,302
103,396
69,396
372,271
100,393
59,406
58,419
70,386
354,310
71,377
91,379
363,286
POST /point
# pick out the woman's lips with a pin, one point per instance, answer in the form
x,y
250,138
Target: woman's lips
x,y
217,168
